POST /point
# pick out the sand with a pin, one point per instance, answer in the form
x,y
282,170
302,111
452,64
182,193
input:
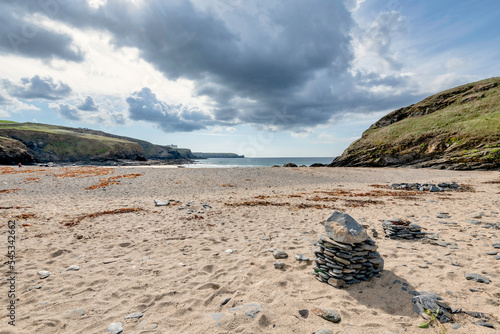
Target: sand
x,y
173,267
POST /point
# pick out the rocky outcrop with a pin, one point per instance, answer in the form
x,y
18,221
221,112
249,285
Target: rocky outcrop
x,y
455,129
13,152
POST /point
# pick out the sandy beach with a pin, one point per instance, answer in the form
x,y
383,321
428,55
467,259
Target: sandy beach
x,y
204,263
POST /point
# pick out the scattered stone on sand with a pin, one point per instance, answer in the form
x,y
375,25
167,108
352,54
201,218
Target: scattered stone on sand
x,y
453,186
73,268
35,287
135,315
323,331
75,314
250,310
424,300
44,274
327,314
478,278
496,245
491,253
279,265
400,229
339,263
115,328
280,254
229,251
225,302
301,257
304,313
290,164
161,203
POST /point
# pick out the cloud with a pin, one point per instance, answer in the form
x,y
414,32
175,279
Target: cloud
x,y
88,105
22,35
144,106
274,65
230,129
217,129
66,111
37,88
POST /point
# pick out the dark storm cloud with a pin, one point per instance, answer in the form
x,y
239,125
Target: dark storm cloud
x,y
67,111
281,64
88,105
20,34
37,88
144,106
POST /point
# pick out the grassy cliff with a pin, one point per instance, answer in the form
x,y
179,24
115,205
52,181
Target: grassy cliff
x,y
455,129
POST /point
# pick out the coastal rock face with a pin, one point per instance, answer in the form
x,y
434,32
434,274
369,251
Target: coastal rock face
x,y
455,129
13,152
343,228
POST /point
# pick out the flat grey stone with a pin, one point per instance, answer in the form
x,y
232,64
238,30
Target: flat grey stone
x,y
218,318
343,228
161,203
491,253
478,278
280,254
250,310
327,314
73,268
456,326
279,265
135,315
301,257
35,287
44,274
323,331
115,328
497,245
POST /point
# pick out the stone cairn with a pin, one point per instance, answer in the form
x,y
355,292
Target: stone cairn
x,y
346,255
400,229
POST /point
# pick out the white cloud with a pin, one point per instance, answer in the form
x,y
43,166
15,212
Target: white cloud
x,y
230,129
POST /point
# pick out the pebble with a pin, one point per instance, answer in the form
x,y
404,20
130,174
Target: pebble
x,y
323,331
135,315
496,245
497,257
327,314
491,253
279,265
44,274
35,287
456,326
478,278
280,254
225,302
304,313
73,268
161,203
301,257
115,328
229,251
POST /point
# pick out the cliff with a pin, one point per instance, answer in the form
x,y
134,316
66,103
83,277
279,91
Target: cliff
x,y
455,129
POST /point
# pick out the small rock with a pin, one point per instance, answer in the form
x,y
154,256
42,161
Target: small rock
x,y
343,228
73,268
456,326
491,253
279,265
225,302
323,331
115,328
229,251
301,257
475,290
44,274
35,287
161,203
304,313
135,315
497,245
477,278
280,254
497,257
330,315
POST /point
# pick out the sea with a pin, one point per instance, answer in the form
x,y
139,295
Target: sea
x,y
256,162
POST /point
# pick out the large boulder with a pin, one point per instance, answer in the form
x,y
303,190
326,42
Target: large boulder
x,y
13,152
343,228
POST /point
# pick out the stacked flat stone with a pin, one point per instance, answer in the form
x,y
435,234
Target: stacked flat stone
x,y
399,229
346,255
453,186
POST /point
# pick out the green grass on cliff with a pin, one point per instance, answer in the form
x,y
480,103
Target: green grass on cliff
x,y
460,122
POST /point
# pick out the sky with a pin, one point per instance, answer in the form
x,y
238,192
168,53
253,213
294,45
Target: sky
x,y
262,78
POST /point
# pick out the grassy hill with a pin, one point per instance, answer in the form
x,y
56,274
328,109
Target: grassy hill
x,y
36,142
455,129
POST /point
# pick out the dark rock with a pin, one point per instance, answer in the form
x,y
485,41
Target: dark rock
x,y
304,313
477,278
432,301
290,164
225,302
280,254
279,265
318,165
